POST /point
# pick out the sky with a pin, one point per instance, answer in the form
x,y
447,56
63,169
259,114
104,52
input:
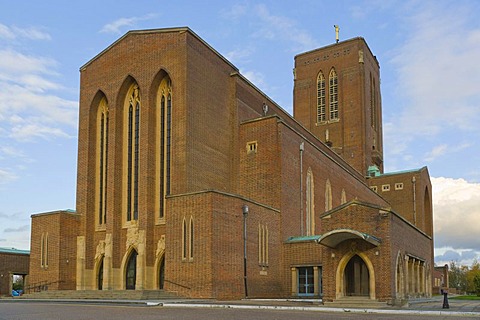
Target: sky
x,y
428,53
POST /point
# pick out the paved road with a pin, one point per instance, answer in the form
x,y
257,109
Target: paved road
x,y
82,311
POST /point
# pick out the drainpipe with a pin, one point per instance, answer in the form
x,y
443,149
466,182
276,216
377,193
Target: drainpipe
x,y
302,148
245,213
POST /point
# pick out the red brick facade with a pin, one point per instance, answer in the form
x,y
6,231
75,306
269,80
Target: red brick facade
x,y
224,151
53,236
12,262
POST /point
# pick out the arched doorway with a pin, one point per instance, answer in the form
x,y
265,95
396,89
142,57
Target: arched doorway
x,y
357,278
161,273
100,275
131,272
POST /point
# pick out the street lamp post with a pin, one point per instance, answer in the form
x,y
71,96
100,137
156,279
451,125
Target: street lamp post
x,y
245,214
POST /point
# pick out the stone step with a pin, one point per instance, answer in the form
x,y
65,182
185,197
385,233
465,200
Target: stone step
x,y
102,294
355,303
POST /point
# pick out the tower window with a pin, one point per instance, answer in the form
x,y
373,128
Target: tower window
x,y
373,103
333,92
321,114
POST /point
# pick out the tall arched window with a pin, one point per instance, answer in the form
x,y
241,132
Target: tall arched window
x,y
133,145
102,158
164,142
321,112
168,143
328,196
184,239
373,103
44,250
191,239
333,94
310,204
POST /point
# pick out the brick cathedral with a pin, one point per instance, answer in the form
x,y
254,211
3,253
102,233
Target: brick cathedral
x,y
193,181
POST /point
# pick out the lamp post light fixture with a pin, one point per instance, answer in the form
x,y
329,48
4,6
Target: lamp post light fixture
x,y
245,214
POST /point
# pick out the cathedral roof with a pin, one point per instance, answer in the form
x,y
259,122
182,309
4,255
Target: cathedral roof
x,y
158,31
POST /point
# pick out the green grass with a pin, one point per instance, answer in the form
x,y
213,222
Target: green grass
x,y
466,298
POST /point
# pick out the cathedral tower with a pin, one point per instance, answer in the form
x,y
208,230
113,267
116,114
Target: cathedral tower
x,y
337,97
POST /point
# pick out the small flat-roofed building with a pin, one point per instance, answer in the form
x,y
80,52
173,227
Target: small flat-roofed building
x,y
13,262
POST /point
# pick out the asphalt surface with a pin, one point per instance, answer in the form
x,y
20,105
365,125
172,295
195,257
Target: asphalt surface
x,y
467,309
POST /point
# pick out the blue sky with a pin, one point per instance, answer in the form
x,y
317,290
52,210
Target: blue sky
x,y
428,53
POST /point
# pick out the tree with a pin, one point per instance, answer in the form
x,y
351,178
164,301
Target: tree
x,y
473,272
457,276
17,282
476,282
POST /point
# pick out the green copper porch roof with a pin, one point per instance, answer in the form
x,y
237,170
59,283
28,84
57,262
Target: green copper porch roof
x,y
303,239
13,250
333,238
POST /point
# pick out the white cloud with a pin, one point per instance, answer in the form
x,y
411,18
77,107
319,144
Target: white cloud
x,y
257,78
462,257
31,33
31,130
117,25
28,107
456,213
31,107
437,151
14,63
365,9
236,12
7,176
438,92
274,27
235,56
6,32
443,149
11,152
18,229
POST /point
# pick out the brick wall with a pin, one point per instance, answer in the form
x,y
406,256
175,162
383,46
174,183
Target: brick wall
x,y
62,230
410,195
216,270
11,263
352,135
